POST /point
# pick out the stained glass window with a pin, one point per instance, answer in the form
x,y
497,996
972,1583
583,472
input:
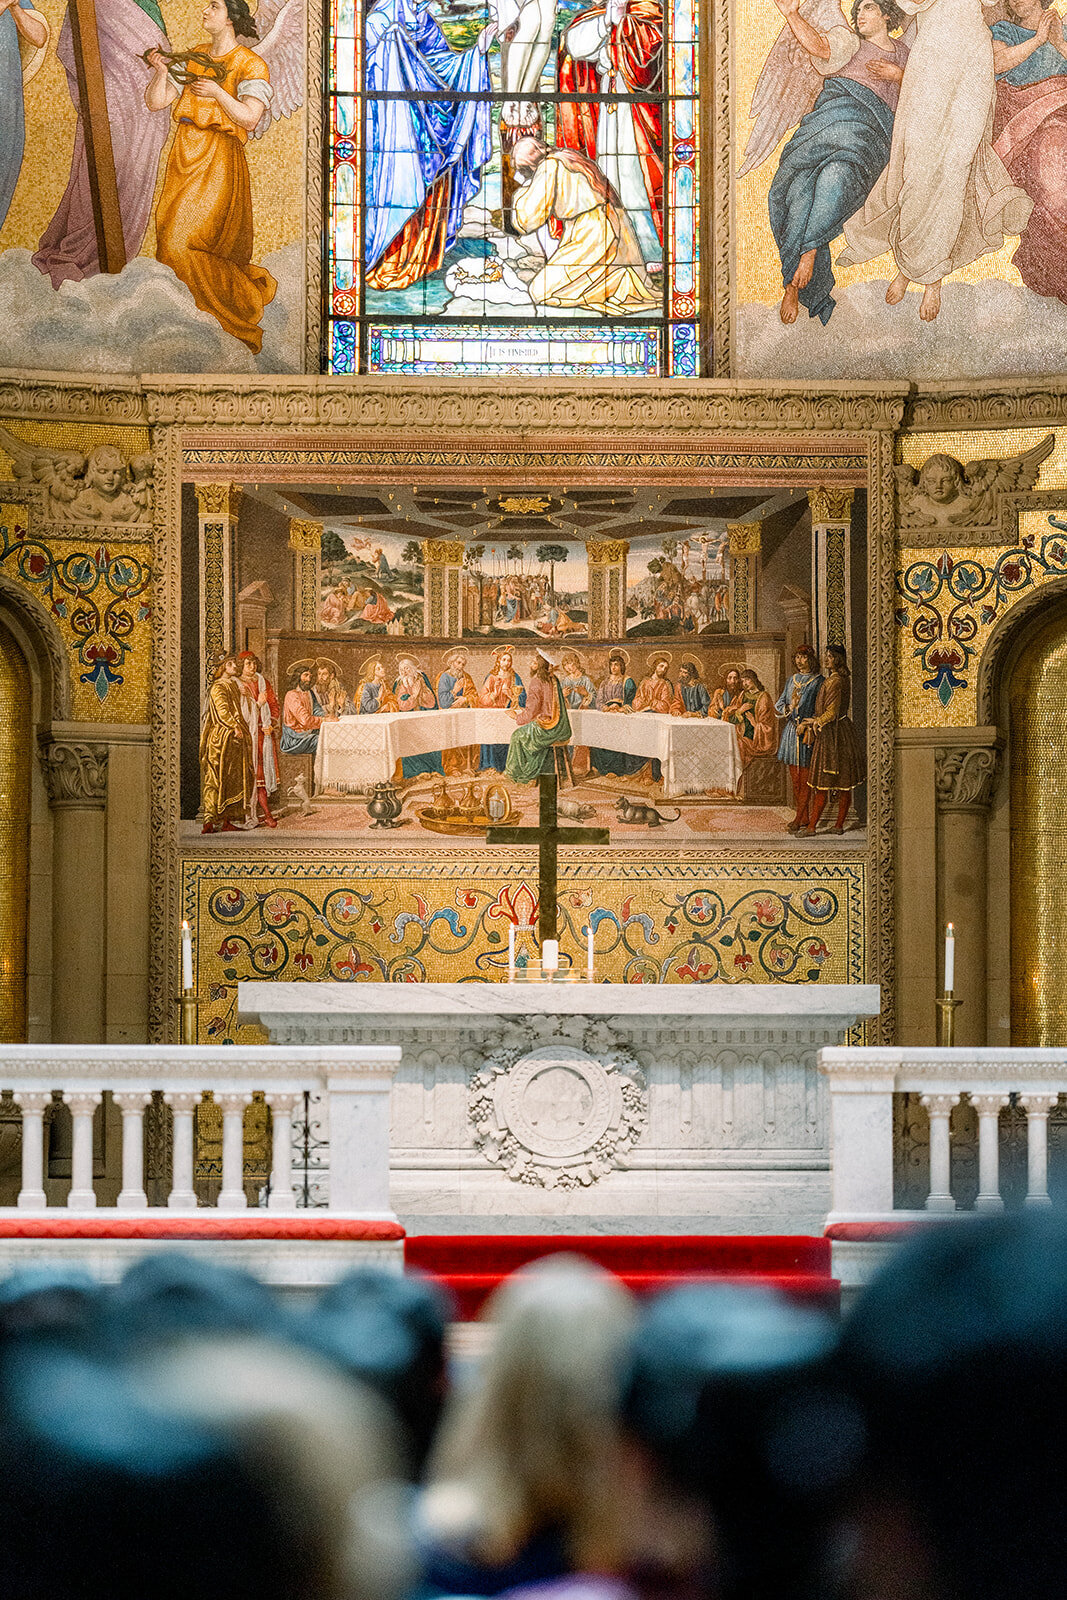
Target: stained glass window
x,y
513,187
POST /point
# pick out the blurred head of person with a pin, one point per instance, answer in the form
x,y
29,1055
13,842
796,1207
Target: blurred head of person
x,y
388,1331
171,1295
531,1448
726,1402
49,1302
956,1354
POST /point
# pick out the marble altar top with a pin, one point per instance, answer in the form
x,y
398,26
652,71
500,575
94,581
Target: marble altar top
x,y
804,1004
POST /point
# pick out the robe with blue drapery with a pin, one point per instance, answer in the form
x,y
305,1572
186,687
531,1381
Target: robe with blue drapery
x,y
424,157
12,118
825,174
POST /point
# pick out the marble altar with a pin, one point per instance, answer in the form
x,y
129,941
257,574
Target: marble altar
x,y
600,1108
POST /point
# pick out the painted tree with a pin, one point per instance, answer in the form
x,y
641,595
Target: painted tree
x,y
411,554
548,555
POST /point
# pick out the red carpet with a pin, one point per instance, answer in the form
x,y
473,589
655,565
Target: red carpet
x,y
473,1264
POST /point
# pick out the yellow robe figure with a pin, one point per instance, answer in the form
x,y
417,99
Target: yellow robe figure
x,y
204,216
227,776
597,265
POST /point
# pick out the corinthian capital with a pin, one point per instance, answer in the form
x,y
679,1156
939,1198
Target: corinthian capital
x,y
75,774
218,499
830,505
964,778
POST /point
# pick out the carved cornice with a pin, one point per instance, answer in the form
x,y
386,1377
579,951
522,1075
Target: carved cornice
x,y
745,538
830,505
305,536
442,552
1000,403
218,499
75,774
964,778
605,552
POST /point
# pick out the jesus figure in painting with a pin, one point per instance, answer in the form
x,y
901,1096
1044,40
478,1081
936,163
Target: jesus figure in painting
x,y
946,197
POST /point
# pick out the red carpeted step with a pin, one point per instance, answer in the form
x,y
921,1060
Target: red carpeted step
x,y
474,1264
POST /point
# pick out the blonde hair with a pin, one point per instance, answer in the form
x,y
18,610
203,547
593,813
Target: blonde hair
x,y
534,1444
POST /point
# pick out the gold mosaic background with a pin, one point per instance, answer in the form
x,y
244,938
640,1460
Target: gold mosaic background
x,y
413,919
15,735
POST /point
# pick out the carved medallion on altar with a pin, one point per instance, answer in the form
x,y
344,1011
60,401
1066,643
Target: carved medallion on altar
x,y
558,1116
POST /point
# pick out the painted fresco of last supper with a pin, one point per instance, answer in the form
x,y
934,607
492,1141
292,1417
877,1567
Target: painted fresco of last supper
x,y
404,664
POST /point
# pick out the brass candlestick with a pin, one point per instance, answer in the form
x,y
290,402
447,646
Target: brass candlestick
x,y
189,1001
946,1020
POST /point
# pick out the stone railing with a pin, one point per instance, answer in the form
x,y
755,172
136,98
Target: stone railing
x,y
862,1084
352,1084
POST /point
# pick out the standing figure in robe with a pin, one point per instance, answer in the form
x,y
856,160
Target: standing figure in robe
x,y
424,157
945,198
126,28
836,760
227,773
1030,135
795,705
263,714
839,149
542,723
24,34
204,215
597,263
611,49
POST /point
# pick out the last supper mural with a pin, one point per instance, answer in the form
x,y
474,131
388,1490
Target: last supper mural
x,y
402,663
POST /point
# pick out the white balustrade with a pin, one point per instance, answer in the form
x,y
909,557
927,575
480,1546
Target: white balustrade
x,y
353,1083
862,1084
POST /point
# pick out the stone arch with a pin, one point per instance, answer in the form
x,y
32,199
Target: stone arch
x,y
1007,638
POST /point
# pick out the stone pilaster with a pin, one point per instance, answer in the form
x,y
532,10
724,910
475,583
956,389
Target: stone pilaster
x,y
305,542
75,775
831,581
745,540
964,780
442,598
218,507
606,563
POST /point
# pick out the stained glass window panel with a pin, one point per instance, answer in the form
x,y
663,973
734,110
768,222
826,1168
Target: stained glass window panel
x,y
514,187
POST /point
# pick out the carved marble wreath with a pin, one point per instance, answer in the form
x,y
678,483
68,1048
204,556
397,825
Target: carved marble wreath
x,y
553,1112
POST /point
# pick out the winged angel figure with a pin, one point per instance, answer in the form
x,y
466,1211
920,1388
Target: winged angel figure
x,y
945,493
280,24
836,82
102,486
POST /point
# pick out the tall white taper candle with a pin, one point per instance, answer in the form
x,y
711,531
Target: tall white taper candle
x,y
187,957
950,958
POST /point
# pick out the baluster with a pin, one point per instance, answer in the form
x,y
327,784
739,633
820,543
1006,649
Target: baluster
x,y
132,1104
34,1103
1037,1107
988,1107
282,1197
82,1103
232,1196
183,1104
940,1108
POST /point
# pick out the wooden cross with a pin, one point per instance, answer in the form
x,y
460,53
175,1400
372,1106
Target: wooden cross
x,y
96,126
549,836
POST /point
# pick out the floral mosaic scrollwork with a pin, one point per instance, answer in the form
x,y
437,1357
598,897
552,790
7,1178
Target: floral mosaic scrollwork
x,y
947,601
100,595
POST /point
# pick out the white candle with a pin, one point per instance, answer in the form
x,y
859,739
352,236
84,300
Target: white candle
x,y
187,957
589,952
950,958
511,952
550,955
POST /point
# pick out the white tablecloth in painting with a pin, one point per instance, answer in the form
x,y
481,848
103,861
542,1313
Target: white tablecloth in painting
x,y
697,754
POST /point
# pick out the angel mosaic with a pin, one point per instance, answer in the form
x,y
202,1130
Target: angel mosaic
x,y
103,486
892,146
946,493
204,228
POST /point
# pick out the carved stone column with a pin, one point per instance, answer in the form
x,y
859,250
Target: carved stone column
x,y
606,561
219,505
964,779
442,597
831,584
745,539
75,776
305,541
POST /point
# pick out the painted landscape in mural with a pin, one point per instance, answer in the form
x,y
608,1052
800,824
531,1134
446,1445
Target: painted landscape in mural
x,y
558,187
152,219
403,665
899,188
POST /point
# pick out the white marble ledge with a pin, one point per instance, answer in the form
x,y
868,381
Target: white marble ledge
x,y
290,1005
134,1066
